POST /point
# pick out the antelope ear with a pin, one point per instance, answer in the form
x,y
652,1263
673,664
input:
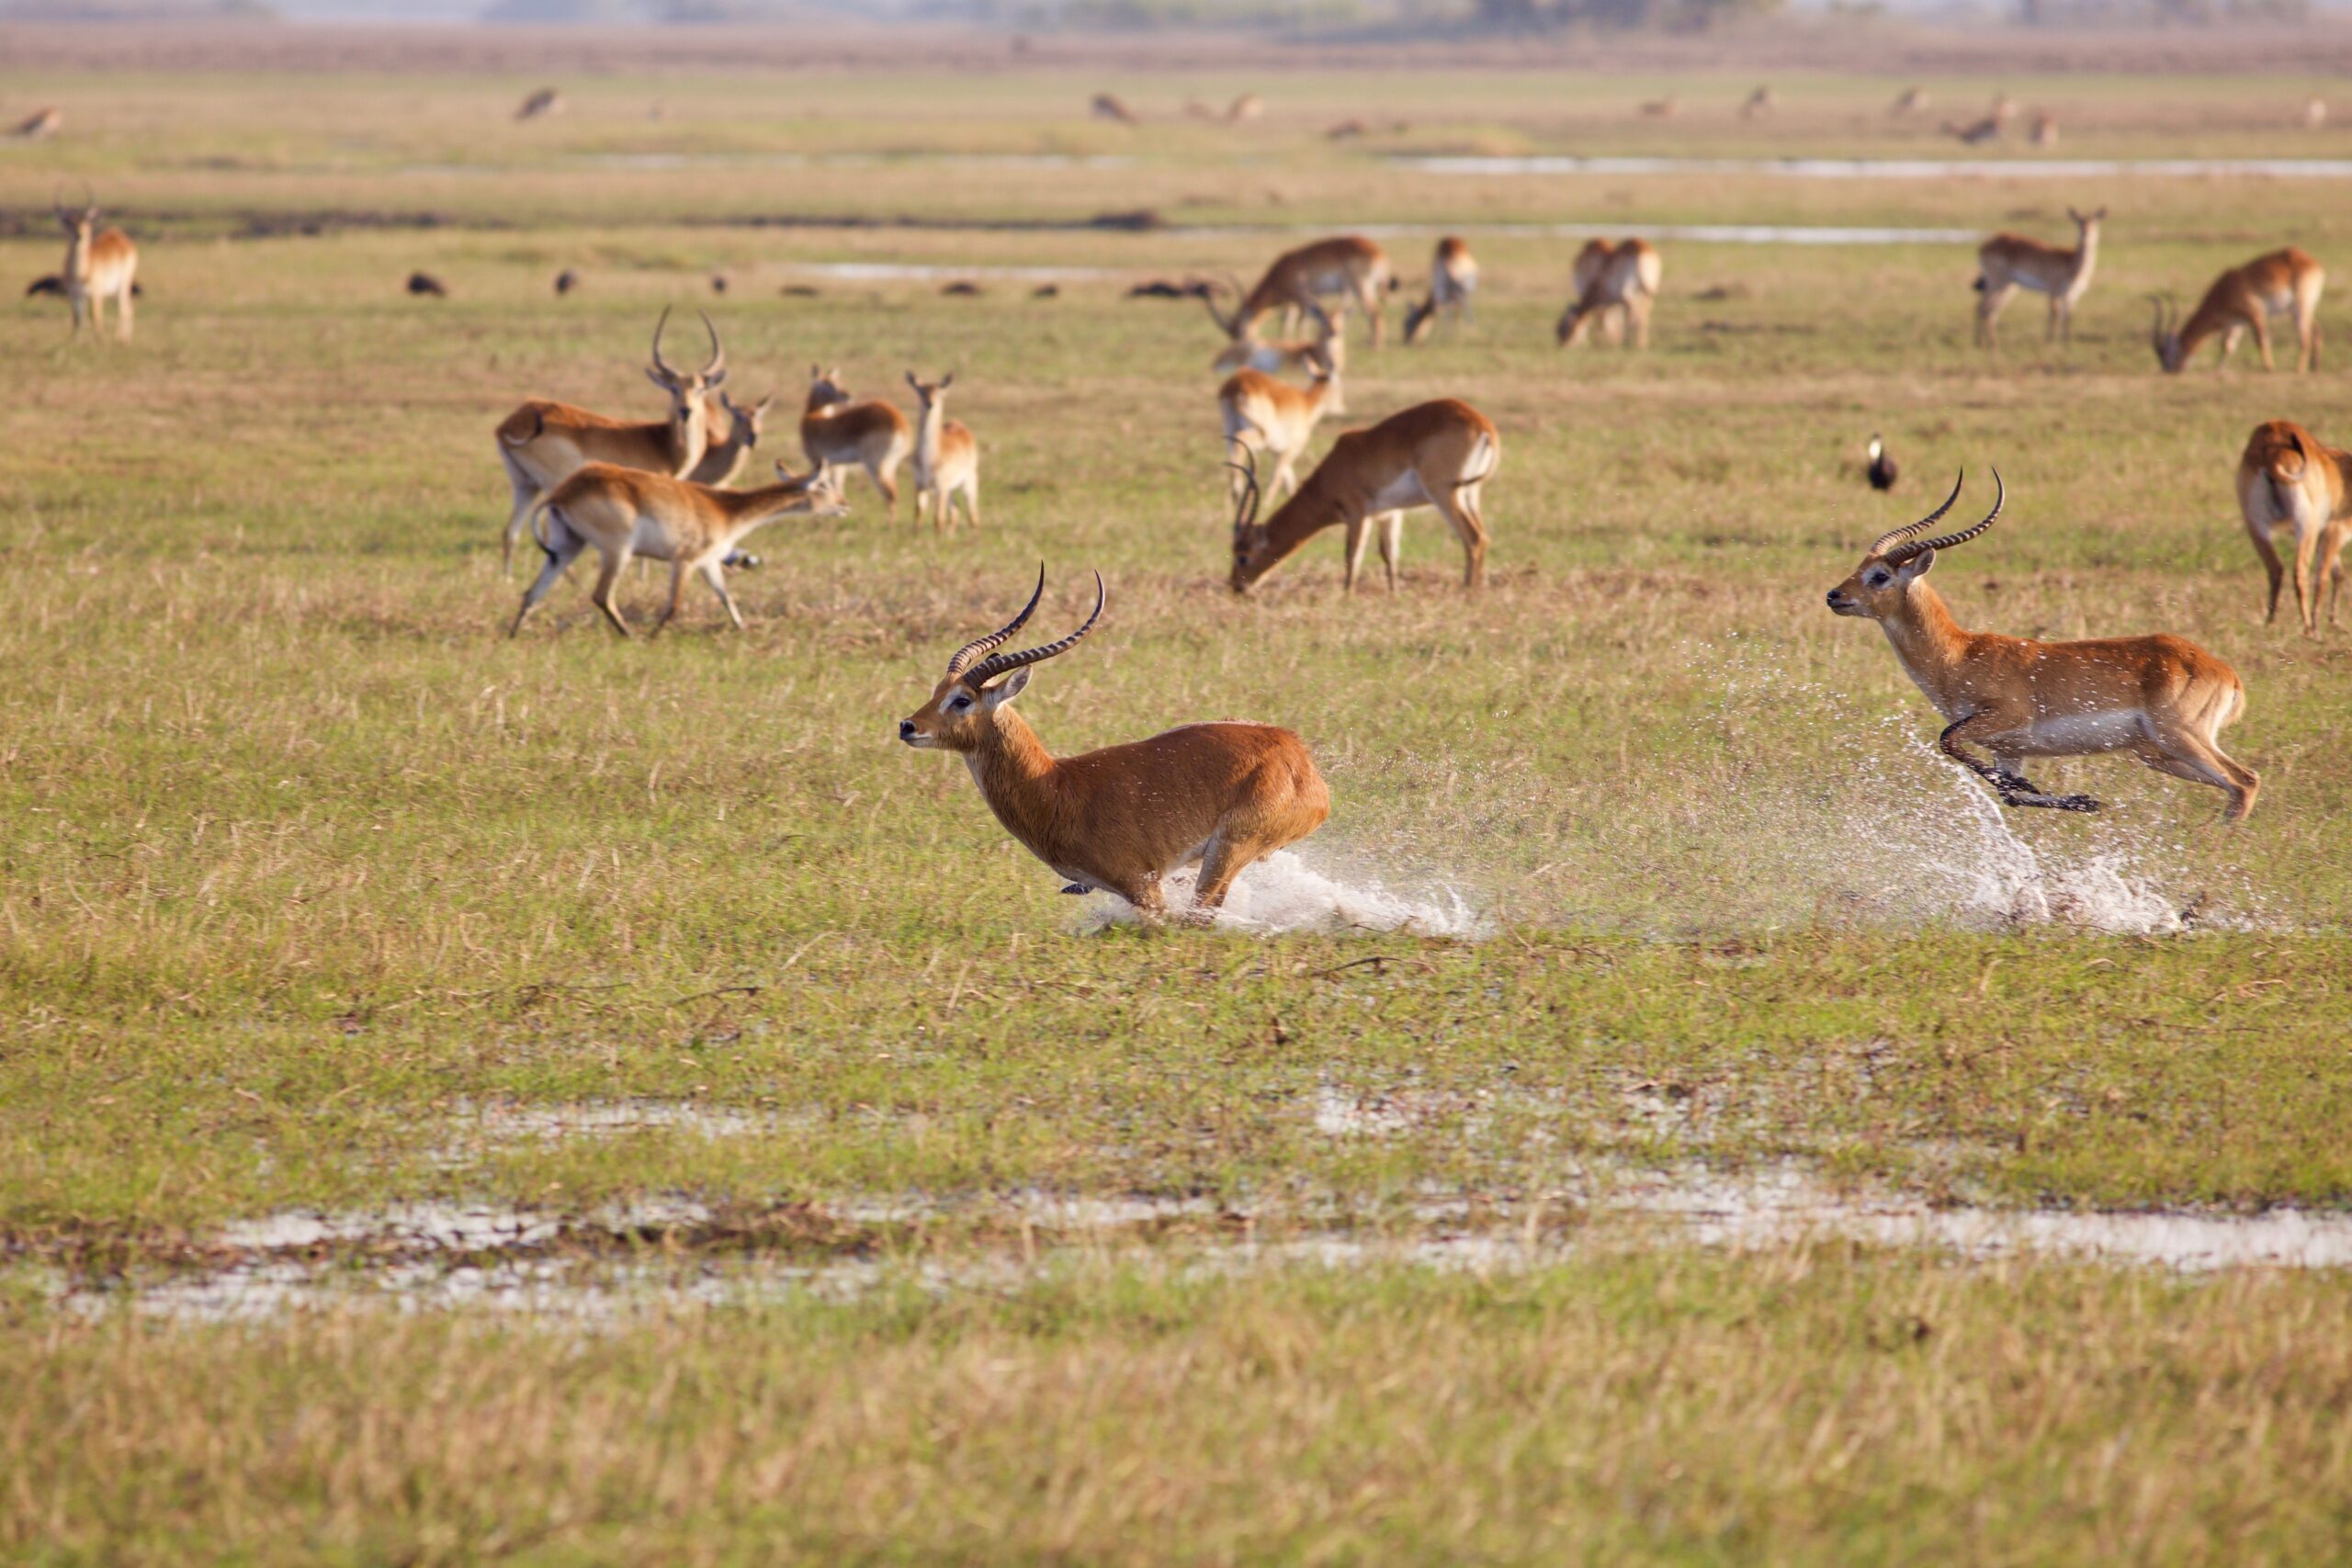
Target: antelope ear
x,y
1917,566
1004,690
657,377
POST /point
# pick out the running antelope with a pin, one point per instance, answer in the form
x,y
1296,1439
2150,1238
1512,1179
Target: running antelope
x,y
1121,819
1610,279
1437,454
541,442
1263,414
838,433
1453,279
947,460
629,514
2284,283
2007,262
2163,699
1351,267
2290,475
99,267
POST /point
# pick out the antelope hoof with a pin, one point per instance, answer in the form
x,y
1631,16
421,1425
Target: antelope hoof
x,y
1080,887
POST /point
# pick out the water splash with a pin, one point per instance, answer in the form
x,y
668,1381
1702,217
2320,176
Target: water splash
x,y
1282,894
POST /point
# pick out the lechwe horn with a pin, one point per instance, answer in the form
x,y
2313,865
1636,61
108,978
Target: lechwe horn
x,y
1921,547
998,664
1878,546
971,650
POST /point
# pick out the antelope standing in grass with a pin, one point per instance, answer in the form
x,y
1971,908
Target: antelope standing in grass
x,y
1261,414
837,432
2163,699
1121,819
2289,477
724,457
1453,279
1610,279
1351,268
632,514
2243,300
2007,262
542,442
947,460
99,266
1437,454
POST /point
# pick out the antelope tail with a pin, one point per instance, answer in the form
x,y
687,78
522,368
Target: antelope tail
x,y
1493,460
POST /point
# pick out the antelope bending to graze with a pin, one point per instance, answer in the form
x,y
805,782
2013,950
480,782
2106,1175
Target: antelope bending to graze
x,y
1261,414
99,267
2007,262
542,443
2163,699
1437,454
1609,279
2244,298
1121,819
2290,475
838,433
947,460
630,513
1283,356
1351,267
1453,279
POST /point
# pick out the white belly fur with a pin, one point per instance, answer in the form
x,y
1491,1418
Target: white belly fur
x,y
2074,734
1406,490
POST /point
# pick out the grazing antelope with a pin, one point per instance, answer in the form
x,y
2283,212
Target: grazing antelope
x,y
1759,105
99,267
1882,471
2007,262
1908,102
1351,267
2244,298
542,442
1120,819
39,126
1261,414
947,460
1437,454
628,514
1610,279
724,457
1978,132
872,434
546,101
1453,279
2163,699
1283,356
2290,475
1109,106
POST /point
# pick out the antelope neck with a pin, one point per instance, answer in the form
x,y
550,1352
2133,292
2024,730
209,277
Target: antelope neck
x,y
1925,637
1011,766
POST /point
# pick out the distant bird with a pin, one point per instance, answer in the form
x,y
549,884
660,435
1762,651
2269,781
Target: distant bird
x,y
566,281
2045,131
962,288
719,283
425,283
1160,288
39,126
546,101
1046,291
1109,106
1760,103
1910,101
1882,471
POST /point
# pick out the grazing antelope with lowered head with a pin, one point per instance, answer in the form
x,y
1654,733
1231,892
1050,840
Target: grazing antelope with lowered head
x,y
1261,414
947,460
1351,267
99,267
542,442
1453,279
1610,279
628,514
2163,699
1436,454
2007,262
1120,819
2284,283
2290,475
1282,356
870,434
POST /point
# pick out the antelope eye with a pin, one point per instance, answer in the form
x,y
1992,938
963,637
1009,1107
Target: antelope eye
x,y
958,703
1879,580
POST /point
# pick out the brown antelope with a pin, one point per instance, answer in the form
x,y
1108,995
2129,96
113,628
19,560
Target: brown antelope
x,y
1261,414
2163,699
2007,262
37,126
1351,267
2045,128
2290,475
1110,105
627,514
1437,454
2244,298
1284,356
1453,279
1610,279
947,460
1121,819
838,433
546,101
724,457
541,442
99,267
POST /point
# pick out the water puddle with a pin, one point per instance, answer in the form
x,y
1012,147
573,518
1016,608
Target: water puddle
x,y
1282,894
1897,168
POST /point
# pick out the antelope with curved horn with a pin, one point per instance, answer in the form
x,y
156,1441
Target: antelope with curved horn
x,y
542,442
100,265
1350,268
1121,819
1279,356
2007,262
630,513
871,434
2243,300
947,460
1453,279
1612,282
1261,414
1436,454
2163,699
2289,476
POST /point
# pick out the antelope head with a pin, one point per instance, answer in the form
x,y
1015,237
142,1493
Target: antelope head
x,y
1249,538
1231,325
744,424
687,390
77,222
2087,225
1880,587
2165,336
825,392
819,488
962,713
927,392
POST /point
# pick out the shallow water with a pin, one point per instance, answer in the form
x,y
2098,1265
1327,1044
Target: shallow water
x,y
1282,894
1896,168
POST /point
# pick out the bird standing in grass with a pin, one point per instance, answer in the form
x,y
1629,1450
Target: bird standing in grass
x,y
1882,471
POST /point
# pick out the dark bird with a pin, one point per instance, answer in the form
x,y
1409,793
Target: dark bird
x,y
1046,291
961,290
566,281
1882,471
1160,288
719,283
798,291
425,283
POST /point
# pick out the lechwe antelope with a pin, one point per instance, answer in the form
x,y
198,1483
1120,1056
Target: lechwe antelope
x,y
542,442
2163,699
1121,819
2007,262
630,513
2290,477
37,126
99,267
1610,279
1261,414
1437,454
837,432
1351,268
947,460
1282,356
1453,279
2283,283
724,457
